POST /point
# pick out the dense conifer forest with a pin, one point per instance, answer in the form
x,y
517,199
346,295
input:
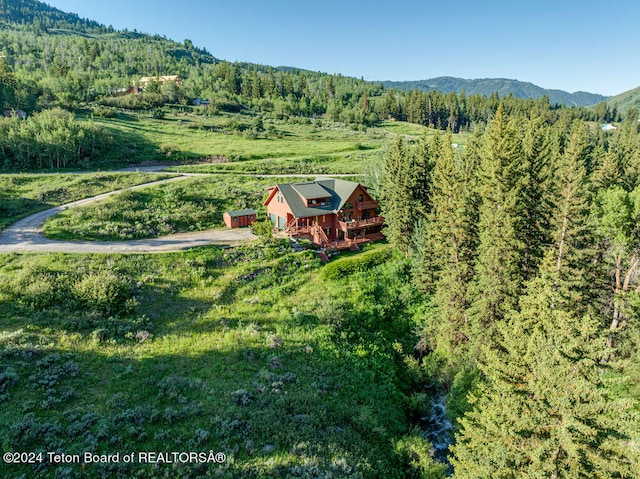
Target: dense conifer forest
x,y
527,244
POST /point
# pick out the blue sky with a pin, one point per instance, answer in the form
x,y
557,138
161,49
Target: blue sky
x,y
569,45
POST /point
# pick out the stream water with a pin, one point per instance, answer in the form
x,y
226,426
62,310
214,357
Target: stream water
x,y
437,427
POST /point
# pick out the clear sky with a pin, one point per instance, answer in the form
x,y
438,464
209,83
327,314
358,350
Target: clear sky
x,y
569,45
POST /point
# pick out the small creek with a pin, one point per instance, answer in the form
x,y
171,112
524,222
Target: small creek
x,y
437,428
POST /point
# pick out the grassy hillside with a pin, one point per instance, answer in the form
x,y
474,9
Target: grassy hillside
x,y
625,101
247,143
248,351
233,138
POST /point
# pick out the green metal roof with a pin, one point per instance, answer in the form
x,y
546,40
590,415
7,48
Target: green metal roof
x,y
338,192
245,212
310,191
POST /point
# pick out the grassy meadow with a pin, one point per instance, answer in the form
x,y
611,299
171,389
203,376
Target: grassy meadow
x,y
246,143
291,368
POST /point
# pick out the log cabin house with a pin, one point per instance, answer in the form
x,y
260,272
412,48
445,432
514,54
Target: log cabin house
x,y
144,81
333,213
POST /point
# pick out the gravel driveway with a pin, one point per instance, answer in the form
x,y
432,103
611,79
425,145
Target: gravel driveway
x,y
26,235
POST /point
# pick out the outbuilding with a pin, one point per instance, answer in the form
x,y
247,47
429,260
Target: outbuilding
x,y
239,218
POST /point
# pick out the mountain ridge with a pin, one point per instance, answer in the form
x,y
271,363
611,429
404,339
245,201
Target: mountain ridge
x,y
503,86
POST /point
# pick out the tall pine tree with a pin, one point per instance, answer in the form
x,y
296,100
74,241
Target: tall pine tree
x,y
545,411
396,195
498,273
570,236
448,245
534,210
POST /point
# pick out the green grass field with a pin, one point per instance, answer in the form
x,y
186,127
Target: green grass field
x,y
188,136
249,351
24,194
232,144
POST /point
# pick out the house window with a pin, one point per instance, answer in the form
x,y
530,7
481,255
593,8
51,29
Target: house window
x,y
360,198
251,217
235,219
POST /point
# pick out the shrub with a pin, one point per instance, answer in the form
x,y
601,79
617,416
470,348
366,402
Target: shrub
x,y
242,397
415,452
103,112
40,293
264,229
103,292
355,264
7,379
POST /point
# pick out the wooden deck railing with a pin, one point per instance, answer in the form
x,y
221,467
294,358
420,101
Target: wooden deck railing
x,y
291,225
347,242
365,205
319,236
355,224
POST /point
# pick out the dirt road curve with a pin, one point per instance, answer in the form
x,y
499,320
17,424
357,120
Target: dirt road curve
x,y
26,234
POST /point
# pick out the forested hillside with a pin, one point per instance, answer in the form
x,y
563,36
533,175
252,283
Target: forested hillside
x,y
40,16
625,101
51,59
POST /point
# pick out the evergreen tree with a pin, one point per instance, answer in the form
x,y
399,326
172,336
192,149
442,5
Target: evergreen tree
x,y
535,209
621,164
498,273
396,195
421,168
570,236
446,246
545,411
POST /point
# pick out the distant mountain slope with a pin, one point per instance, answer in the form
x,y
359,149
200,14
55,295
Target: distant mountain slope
x,y
42,15
37,39
503,86
625,101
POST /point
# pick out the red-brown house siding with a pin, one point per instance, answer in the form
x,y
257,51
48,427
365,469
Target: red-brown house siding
x,y
279,209
354,199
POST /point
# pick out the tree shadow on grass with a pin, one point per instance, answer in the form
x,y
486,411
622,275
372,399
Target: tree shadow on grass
x,y
128,145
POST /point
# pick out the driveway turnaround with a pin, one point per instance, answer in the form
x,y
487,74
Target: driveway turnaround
x,y
27,235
